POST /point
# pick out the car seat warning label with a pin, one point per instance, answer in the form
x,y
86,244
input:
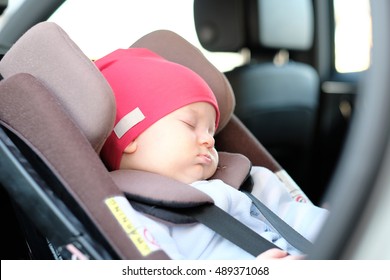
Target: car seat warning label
x,y
127,218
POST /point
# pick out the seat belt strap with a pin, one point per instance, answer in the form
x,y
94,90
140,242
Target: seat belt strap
x,y
229,227
290,234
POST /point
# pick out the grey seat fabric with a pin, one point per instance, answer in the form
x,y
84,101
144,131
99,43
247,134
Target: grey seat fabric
x,y
276,97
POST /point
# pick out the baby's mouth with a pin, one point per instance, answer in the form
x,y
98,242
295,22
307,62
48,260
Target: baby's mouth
x,y
205,158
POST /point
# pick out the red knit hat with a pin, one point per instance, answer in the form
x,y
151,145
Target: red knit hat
x,y
146,87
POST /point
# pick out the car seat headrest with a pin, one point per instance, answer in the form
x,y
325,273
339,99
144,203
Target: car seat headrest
x,y
220,24
233,169
231,25
46,52
286,24
173,47
159,193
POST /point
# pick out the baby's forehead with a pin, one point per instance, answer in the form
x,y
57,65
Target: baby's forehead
x,y
200,109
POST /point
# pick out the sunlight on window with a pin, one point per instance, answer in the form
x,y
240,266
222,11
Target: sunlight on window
x,y
99,28
353,37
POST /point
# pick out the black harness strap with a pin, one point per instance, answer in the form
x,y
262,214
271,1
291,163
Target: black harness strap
x,y
290,234
230,228
214,218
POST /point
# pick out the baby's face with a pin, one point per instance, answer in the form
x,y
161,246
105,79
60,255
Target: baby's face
x,y
180,145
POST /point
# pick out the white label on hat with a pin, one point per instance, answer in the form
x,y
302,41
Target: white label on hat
x,y
128,121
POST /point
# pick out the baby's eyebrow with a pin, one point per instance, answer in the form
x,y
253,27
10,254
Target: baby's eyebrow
x,y
196,114
192,110
189,112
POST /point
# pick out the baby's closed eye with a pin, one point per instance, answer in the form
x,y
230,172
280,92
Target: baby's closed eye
x,y
190,123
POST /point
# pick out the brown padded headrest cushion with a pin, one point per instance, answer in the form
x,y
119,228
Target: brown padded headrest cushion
x,y
233,169
175,48
46,52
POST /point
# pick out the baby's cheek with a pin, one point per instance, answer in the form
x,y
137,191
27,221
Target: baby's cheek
x,y
214,153
207,174
213,167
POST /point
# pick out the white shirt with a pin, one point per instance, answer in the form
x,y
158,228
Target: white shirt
x,y
197,241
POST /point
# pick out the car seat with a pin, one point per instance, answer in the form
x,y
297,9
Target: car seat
x,y
277,97
56,111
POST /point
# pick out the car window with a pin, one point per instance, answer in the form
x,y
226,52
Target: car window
x,y
98,28
12,6
353,36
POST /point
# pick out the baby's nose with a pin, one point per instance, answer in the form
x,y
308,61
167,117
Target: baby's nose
x,y
207,139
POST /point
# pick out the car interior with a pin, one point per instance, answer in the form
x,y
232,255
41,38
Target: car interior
x,y
277,110
21,74
277,97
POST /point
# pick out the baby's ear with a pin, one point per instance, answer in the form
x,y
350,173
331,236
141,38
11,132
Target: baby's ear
x,y
131,148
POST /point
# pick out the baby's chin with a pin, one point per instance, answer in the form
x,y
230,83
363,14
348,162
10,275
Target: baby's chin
x,y
198,173
193,179
204,176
